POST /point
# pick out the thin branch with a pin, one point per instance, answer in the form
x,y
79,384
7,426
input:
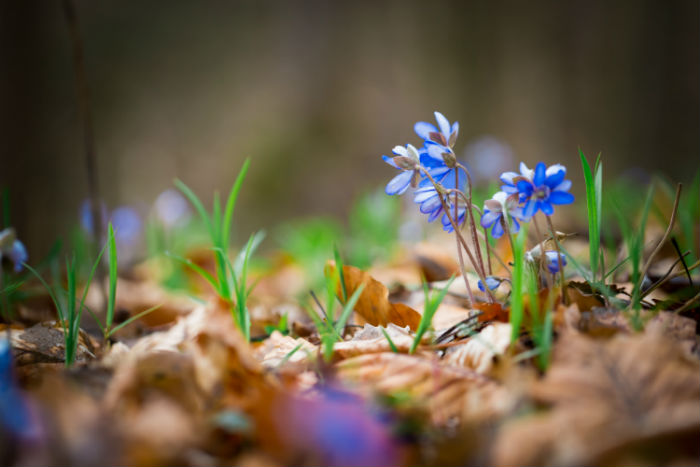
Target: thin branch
x,y
647,265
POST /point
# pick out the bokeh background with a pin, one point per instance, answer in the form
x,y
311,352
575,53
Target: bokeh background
x,y
315,92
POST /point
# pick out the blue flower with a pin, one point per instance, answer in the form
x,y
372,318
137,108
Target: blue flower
x,y
446,136
510,179
491,282
546,189
553,262
494,209
171,208
16,415
12,248
407,160
428,199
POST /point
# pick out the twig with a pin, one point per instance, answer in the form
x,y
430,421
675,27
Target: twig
x,y
688,304
647,265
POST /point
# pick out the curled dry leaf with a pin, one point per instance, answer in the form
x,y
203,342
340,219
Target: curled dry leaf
x,y
374,305
201,355
609,399
275,353
370,339
44,343
479,350
448,393
135,297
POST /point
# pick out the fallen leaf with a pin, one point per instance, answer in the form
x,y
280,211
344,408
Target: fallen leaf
x,y
374,305
607,399
275,353
447,393
479,350
45,343
370,339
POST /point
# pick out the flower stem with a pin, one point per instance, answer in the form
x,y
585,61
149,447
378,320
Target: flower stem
x,y
548,277
561,266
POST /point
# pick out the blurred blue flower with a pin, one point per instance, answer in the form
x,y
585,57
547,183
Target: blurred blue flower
x,y
488,156
15,412
12,248
407,159
553,262
494,209
171,208
492,283
86,216
127,225
547,188
446,136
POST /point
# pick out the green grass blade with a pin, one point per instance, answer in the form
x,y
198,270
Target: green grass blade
x,y
392,346
592,205
339,266
199,207
216,238
231,203
132,319
431,306
59,309
289,355
112,296
516,296
196,268
347,310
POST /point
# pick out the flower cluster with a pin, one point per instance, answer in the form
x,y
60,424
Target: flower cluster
x,y
523,194
433,170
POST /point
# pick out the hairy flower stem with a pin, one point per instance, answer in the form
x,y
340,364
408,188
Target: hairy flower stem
x,y
470,212
488,250
561,266
459,236
459,249
506,228
543,272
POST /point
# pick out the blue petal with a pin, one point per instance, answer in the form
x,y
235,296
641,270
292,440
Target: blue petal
x,y
18,255
516,226
555,179
489,218
510,189
530,209
390,161
497,230
525,188
430,205
434,215
423,129
444,125
507,177
455,129
399,184
561,197
546,207
435,151
540,172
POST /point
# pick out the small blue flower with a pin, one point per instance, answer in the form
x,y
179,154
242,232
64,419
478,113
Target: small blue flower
x,y
510,179
446,136
553,262
494,209
407,160
491,282
127,225
546,189
13,249
429,199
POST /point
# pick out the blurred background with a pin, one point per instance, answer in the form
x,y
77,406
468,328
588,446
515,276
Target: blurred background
x,y
315,92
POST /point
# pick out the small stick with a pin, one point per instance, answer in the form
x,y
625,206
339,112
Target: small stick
x,y
543,256
647,265
688,304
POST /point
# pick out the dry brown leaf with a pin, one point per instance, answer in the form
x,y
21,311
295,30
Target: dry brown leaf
x,y
448,393
374,305
478,351
608,398
370,339
44,343
274,353
436,263
201,355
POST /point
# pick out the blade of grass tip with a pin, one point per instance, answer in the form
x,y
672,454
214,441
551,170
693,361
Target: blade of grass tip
x,y
516,301
111,297
392,346
431,306
195,201
231,202
51,293
289,355
339,265
196,268
347,310
216,221
132,319
252,245
591,206
97,320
